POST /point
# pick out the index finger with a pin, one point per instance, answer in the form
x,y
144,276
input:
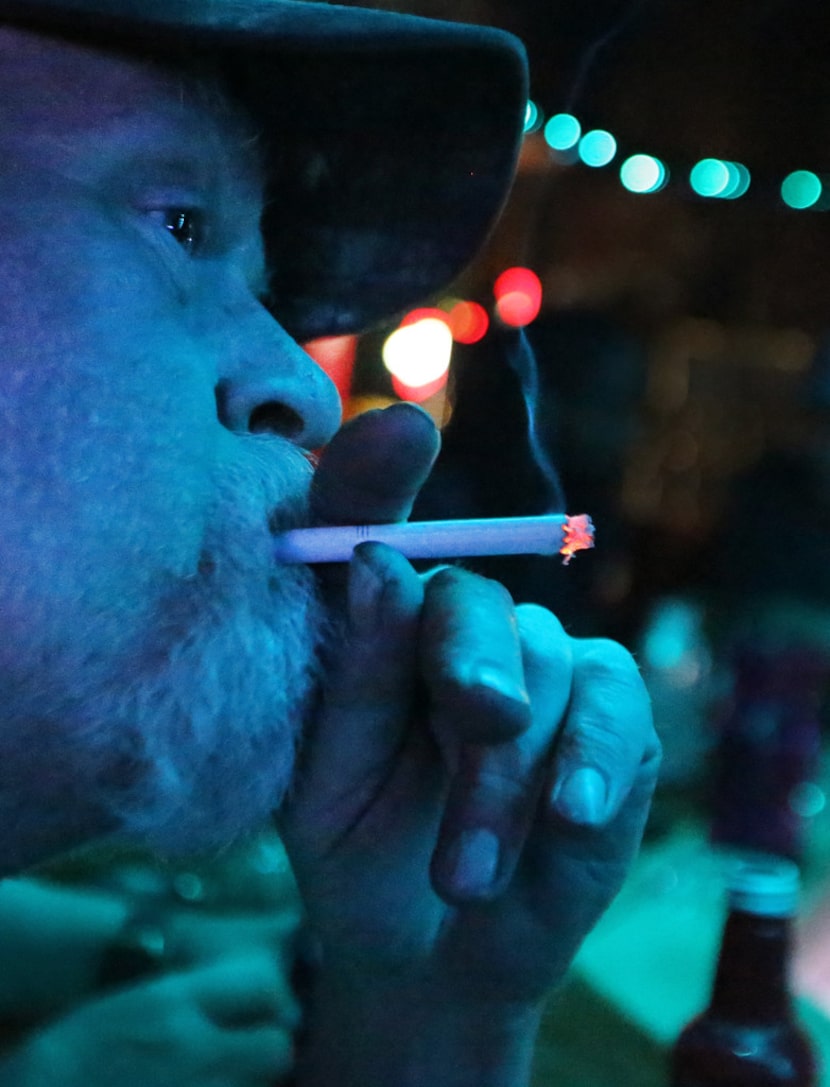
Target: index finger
x,y
471,659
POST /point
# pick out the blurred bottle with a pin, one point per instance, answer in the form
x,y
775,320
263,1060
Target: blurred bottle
x,y
769,742
748,1036
676,664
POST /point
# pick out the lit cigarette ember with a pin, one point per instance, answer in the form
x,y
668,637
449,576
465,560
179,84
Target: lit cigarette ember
x,y
549,534
577,535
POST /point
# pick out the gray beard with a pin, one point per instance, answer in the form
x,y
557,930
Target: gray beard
x,y
219,727
188,741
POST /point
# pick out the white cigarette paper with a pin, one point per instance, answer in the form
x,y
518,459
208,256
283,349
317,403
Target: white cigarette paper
x,y
549,534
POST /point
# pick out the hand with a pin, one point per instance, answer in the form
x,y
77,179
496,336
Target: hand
x,y
474,788
194,937
227,1025
476,783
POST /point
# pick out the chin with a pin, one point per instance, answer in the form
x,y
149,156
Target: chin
x,y
184,745
180,733
217,729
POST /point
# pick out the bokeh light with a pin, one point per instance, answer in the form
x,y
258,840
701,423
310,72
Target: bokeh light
x,y
801,189
597,147
534,118
709,177
518,294
418,354
336,355
719,178
562,132
424,313
739,179
643,174
469,322
417,394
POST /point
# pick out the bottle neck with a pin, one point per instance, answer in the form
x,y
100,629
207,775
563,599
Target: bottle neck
x,y
751,982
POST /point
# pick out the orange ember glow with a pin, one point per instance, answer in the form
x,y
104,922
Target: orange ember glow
x,y
577,535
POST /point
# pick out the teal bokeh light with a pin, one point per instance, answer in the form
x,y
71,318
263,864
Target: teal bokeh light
x,y
597,147
720,179
562,132
709,177
801,189
643,174
533,117
739,179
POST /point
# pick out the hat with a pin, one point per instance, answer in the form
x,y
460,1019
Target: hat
x,y
391,139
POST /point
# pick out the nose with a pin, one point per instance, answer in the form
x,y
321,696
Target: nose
x,y
269,385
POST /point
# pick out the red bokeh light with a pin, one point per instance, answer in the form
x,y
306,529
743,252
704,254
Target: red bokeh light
x,y
422,314
518,293
417,394
336,355
468,322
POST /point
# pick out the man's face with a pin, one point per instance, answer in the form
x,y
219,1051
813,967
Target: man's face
x,y
154,664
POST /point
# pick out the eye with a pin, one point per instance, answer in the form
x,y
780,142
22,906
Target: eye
x,y
187,227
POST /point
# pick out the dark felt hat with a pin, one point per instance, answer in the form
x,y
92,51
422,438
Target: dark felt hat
x,y
394,138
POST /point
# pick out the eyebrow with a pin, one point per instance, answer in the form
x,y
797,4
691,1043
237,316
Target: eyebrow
x,y
157,157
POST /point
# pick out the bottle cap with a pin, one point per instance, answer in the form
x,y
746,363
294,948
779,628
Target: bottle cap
x,y
765,885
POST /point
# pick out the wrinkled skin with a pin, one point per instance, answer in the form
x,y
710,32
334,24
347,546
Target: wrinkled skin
x,y
154,663
472,784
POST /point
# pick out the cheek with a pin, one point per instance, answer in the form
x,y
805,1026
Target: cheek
x,y
107,474
110,434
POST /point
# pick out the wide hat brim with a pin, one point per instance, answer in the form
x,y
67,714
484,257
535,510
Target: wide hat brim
x,y
392,139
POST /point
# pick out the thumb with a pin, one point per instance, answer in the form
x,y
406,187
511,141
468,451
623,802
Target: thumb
x,y
374,467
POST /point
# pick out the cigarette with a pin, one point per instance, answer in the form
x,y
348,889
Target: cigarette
x,y
549,534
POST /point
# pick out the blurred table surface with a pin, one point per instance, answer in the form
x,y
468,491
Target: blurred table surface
x,y
648,967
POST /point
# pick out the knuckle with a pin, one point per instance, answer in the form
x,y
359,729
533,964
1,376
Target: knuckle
x,y
543,636
602,658
613,716
455,579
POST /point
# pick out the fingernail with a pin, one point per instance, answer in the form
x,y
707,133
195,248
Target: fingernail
x,y
495,679
475,861
582,797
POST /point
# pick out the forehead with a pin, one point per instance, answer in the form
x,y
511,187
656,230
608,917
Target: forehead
x,y
58,94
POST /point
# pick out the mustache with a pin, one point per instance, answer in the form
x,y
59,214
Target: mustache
x,y
263,490
274,472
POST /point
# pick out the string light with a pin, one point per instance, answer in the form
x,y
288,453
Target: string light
x,y
801,189
597,148
719,178
643,173
562,132
534,118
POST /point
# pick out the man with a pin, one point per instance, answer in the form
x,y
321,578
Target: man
x,y
471,783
